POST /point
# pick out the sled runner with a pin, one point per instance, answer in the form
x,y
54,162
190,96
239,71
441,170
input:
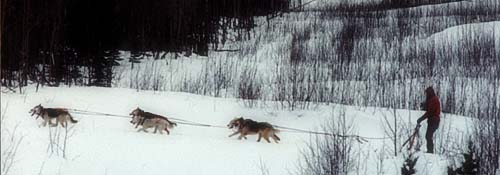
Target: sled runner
x,y
411,139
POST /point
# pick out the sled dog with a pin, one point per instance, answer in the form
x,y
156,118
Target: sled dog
x,y
150,120
60,114
246,127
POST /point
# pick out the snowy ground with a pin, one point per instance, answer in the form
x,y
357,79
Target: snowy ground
x,y
110,145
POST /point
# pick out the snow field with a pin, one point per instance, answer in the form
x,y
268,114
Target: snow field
x,y
109,145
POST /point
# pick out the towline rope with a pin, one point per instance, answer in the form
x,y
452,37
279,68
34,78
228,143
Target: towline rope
x,y
359,138
177,120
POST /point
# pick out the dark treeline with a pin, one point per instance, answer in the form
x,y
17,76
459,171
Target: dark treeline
x,y
77,41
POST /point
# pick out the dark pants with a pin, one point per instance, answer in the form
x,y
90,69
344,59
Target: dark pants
x,y
432,126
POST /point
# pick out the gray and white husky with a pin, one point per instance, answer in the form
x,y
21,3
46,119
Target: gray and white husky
x,y
60,114
150,120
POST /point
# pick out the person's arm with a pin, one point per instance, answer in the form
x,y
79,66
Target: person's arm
x,y
425,116
430,109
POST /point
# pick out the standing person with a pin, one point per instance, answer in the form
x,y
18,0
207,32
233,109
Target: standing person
x,y
432,108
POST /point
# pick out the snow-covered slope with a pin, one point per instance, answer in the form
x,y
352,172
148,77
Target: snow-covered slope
x,y
459,33
110,145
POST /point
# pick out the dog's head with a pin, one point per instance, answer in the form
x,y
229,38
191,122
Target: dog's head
x,y
135,119
235,123
136,115
136,112
37,110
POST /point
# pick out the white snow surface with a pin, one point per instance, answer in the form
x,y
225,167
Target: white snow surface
x,y
110,145
474,30
431,164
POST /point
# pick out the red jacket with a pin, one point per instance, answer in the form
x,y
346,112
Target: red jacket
x,y
433,109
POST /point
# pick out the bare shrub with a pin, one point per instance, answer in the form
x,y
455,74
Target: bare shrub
x,y
221,73
11,140
448,140
293,89
59,139
297,78
250,87
486,132
328,154
151,78
470,164
393,129
381,156
409,165
192,85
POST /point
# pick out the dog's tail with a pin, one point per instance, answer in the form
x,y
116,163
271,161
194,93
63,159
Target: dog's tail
x,y
171,124
276,130
72,119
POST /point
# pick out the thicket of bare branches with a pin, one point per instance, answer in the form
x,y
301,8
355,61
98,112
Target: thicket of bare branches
x,y
378,58
250,87
327,154
10,143
486,134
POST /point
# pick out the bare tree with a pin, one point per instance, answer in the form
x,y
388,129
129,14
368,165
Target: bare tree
x,y
392,128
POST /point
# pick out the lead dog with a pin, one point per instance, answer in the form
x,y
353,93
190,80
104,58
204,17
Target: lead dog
x,y
246,127
149,120
60,114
